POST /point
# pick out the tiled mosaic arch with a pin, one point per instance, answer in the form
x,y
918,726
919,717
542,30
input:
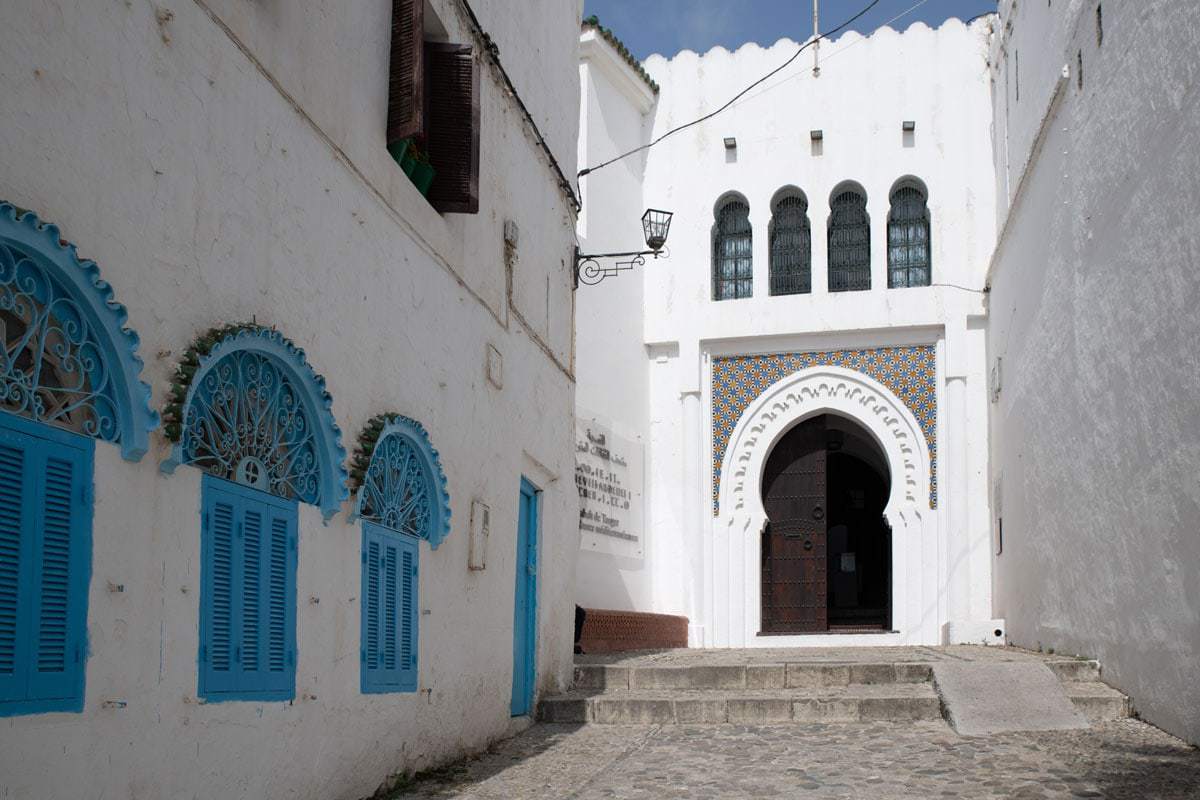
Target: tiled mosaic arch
x,y
909,372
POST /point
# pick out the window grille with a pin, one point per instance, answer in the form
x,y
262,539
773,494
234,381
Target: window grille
x,y
849,243
733,265
69,358
791,247
908,239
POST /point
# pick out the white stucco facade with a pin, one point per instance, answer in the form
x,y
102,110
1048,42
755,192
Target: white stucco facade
x,y
1093,324
225,161
706,566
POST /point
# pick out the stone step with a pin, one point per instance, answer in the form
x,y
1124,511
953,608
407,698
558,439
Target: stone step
x,y
1097,701
1071,670
753,676
788,675
849,703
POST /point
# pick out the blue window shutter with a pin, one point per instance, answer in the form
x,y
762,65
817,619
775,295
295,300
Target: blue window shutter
x,y
45,561
15,568
58,660
371,606
389,620
248,602
279,612
408,615
219,629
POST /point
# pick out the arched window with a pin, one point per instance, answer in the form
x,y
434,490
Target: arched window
x,y
791,245
402,499
909,262
849,242
400,479
69,374
248,410
733,265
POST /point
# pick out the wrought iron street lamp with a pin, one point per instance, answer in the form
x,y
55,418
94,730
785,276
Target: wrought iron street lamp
x,y
656,224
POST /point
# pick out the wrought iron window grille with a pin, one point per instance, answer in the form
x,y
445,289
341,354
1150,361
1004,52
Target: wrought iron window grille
x,y
849,243
790,247
909,262
733,257
69,359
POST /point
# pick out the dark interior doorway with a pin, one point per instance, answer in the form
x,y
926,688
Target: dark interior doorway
x,y
826,550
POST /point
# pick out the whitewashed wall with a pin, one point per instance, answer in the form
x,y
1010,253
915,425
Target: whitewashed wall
x,y
867,88
1096,445
225,161
615,109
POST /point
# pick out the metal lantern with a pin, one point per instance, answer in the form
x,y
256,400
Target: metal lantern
x,y
656,225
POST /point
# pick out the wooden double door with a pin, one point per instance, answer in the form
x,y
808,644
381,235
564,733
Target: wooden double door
x,y
827,547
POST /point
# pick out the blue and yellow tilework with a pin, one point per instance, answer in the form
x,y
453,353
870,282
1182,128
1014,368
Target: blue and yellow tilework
x,y
910,372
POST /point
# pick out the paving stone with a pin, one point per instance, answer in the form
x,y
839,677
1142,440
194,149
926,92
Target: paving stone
x,y
1075,669
815,709
766,676
699,710
1118,760
805,676
689,677
618,711
759,710
872,673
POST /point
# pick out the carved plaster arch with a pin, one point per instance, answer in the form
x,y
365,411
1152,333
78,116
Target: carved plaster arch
x,y
805,394
733,572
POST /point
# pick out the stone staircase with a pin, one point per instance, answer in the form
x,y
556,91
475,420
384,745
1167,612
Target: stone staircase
x,y
649,689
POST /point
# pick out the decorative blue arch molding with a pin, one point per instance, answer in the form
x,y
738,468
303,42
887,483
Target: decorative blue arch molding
x,y
247,407
399,479
68,359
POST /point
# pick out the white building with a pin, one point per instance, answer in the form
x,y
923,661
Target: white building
x,y
897,375
221,598
998,414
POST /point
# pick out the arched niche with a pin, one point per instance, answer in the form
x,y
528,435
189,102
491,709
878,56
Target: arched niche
x,y
69,359
738,527
247,407
399,479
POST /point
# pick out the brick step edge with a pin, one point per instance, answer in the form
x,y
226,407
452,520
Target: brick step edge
x,y
804,675
617,710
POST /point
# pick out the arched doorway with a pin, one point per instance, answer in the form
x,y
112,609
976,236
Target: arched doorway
x,y
826,549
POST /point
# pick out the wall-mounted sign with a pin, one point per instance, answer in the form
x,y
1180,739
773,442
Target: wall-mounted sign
x,y
608,474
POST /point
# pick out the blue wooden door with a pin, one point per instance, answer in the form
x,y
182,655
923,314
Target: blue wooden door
x,y
525,606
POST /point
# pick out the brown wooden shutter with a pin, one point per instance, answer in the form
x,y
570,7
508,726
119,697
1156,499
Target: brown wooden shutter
x,y
406,79
452,127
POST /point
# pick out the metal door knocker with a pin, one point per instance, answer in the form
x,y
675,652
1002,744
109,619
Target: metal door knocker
x,y
818,513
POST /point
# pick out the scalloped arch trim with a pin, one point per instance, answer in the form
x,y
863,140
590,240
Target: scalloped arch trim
x,y
308,427
384,496
42,244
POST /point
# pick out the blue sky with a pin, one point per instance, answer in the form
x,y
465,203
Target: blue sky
x,y
668,26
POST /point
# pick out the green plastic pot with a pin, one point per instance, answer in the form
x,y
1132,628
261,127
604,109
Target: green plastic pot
x,y
422,177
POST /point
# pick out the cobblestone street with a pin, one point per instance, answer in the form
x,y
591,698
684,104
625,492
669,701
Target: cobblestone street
x,y
1116,759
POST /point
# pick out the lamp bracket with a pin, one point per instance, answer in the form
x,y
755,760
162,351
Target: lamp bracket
x,y
590,271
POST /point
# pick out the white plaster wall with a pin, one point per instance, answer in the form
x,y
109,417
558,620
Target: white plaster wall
x,y
1092,310
612,367
215,180
868,87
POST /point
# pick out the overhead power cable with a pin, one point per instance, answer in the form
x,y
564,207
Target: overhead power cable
x,y
739,95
